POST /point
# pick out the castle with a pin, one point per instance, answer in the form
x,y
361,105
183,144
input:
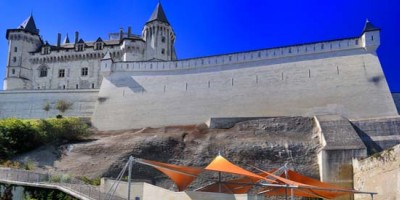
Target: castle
x,y
35,64
135,81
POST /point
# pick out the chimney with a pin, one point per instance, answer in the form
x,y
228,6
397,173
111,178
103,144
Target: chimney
x,y
121,33
129,31
58,40
76,37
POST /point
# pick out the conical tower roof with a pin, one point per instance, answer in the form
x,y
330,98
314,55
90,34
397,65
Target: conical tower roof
x,y
158,14
370,27
66,40
29,25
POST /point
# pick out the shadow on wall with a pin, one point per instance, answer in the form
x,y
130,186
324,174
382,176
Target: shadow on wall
x,y
127,81
372,146
376,79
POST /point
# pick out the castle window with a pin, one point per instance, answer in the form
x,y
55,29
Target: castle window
x,y
84,71
99,46
372,38
79,47
46,50
13,71
61,73
15,49
163,39
92,85
163,51
77,86
43,72
322,46
14,59
356,42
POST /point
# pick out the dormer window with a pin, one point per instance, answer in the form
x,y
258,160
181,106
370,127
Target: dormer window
x,y
46,50
98,46
80,47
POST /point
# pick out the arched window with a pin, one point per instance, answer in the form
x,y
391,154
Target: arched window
x,y
43,71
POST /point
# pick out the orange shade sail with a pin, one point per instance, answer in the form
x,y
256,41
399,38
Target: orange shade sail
x,y
181,175
220,164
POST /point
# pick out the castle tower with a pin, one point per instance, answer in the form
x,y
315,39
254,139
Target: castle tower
x,y
159,37
370,37
21,41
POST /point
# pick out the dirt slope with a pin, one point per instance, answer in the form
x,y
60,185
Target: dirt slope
x,y
265,143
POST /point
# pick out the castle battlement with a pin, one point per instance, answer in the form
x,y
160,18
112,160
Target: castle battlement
x,y
270,54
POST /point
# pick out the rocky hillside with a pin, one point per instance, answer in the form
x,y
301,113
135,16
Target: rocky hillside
x,y
265,143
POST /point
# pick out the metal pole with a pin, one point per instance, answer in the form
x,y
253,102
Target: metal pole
x,y
286,176
219,181
129,177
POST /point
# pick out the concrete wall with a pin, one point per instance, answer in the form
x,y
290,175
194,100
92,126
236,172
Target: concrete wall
x,y
145,191
378,133
379,173
340,145
30,103
348,82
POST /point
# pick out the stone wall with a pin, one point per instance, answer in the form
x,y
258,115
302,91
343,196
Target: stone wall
x,y
347,82
379,173
378,133
32,103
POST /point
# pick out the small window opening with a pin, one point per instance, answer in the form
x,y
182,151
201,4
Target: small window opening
x,y
163,39
76,86
92,85
84,71
14,59
61,73
15,49
13,71
163,51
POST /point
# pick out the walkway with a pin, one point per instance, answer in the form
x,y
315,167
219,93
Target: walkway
x,y
64,183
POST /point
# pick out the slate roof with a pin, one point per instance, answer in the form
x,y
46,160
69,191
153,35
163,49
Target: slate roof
x,y
66,40
158,15
370,27
29,25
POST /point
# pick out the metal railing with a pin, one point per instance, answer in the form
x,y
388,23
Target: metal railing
x,y
52,179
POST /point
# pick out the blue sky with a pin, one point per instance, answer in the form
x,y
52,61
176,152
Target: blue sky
x,y
208,27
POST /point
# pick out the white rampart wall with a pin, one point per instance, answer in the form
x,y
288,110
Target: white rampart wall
x,y
348,81
31,103
242,57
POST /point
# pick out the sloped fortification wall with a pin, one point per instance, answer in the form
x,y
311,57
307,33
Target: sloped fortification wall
x,y
32,103
379,173
348,82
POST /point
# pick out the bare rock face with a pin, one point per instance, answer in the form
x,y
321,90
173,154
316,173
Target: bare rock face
x,y
264,143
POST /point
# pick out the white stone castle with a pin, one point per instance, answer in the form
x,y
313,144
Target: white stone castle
x,y
35,64
132,81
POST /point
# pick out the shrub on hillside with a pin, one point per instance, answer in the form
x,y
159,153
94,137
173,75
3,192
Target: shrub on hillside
x,y
17,136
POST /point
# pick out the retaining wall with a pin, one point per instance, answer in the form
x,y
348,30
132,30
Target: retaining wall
x,y
347,82
30,103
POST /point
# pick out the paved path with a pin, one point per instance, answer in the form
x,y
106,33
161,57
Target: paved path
x,y
64,183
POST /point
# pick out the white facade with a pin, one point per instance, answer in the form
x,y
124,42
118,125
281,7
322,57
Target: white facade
x,y
139,82
34,64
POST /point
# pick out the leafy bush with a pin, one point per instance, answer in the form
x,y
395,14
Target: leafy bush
x,y
62,105
17,136
93,181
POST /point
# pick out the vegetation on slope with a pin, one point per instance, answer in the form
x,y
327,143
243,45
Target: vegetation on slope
x,y
18,136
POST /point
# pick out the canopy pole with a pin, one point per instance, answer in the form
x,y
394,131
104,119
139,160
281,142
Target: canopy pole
x,y
286,188
219,182
129,177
